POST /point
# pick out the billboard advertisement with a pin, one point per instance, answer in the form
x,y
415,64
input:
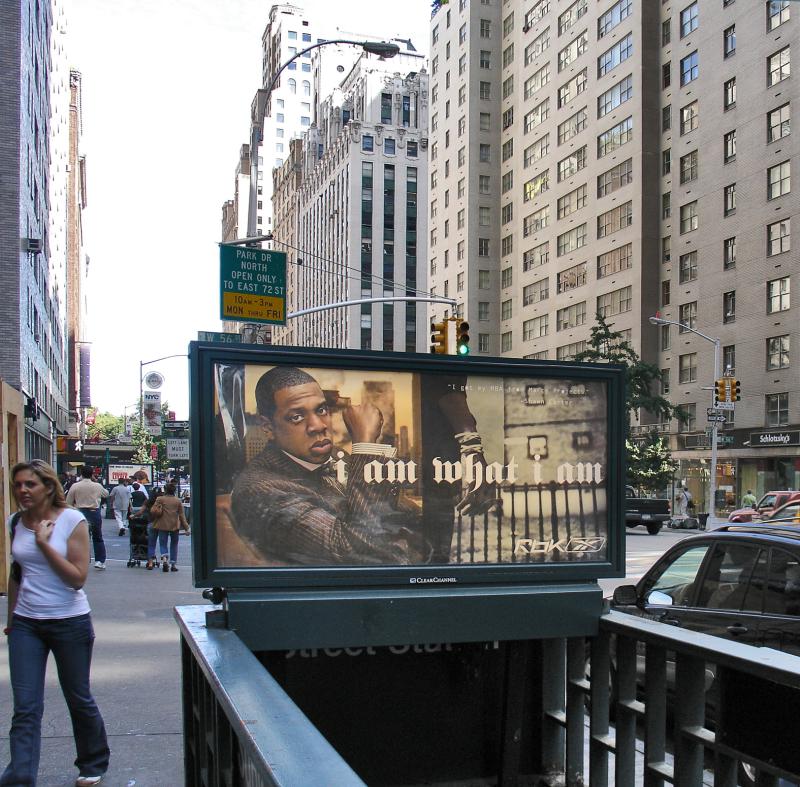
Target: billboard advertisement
x,y
151,402
404,467
118,472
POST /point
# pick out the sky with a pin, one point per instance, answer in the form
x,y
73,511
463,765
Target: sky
x,y
167,88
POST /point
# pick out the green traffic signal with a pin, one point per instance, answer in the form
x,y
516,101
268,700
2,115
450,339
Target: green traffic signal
x,y
462,337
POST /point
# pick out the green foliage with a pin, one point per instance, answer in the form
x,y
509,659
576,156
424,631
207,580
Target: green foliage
x,y
650,463
105,427
143,442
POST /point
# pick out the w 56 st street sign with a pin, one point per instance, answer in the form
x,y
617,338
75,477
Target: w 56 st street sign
x,y
252,285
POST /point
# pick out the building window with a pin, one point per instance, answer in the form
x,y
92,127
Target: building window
x,y
690,69
616,260
666,248
778,237
567,19
777,13
536,221
665,382
687,316
666,161
690,117
778,295
666,118
572,202
483,247
666,32
689,167
538,255
506,277
484,153
778,180
729,146
506,309
571,278
614,220
536,292
535,82
572,164
612,98
459,282
483,184
778,352
573,88
367,143
607,21
483,310
485,121
506,342
617,54
729,253
537,46
412,149
571,240
687,368
665,292
777,409
538,114
666,75
729,306
573,50
508,55
729,199
485,90
568,351
536,151
508,118
689,19
778,66
729,41
483,342
689,217
616,302
536,186
687,267
486,28
729,359
665,338
535,328
778,123
615,137
389,146
571,316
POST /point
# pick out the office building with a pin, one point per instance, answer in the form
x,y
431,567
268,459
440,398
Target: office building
x,y
620,158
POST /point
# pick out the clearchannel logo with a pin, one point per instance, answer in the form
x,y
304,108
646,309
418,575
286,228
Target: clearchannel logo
x,y
431,580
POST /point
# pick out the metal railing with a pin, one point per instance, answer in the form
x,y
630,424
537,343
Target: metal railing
x,y
241,728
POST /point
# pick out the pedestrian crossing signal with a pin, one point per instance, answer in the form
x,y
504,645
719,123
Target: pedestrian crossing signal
x,y
462,337
439,338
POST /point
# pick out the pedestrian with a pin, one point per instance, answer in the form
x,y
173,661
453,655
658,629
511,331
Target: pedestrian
x,y
152,534
48,611
120,498
749,500
167,518
138,502
86,495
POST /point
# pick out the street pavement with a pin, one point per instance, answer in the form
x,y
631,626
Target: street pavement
x,y
136,674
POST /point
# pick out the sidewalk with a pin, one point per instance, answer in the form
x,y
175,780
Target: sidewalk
x,y
136,675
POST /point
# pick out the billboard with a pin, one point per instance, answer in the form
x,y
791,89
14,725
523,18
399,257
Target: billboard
x,y
386,468
118,472
151,414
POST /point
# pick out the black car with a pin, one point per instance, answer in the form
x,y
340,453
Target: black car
x,y
741,582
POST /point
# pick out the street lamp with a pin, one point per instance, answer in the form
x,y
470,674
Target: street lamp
x,y
712,487
258,109
142,364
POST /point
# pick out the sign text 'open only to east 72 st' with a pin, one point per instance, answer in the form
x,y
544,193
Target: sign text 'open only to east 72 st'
x,y
252,285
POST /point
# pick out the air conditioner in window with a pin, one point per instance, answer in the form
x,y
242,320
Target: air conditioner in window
x,y
33,245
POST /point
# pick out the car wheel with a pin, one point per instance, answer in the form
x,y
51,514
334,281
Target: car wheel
x,y
654,528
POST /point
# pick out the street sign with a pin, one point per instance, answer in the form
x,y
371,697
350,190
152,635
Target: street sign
x,y
175,426
154,380
712,411
725,405
718,419
219,338
178,448
252,285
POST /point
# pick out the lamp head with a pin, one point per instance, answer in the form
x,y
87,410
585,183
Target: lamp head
x,y
658,321
381,48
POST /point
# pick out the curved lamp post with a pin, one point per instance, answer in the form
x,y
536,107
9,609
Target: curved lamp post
x,y
712,486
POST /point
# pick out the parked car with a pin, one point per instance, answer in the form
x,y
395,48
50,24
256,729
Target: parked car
x,y
739,582
764,507
651,512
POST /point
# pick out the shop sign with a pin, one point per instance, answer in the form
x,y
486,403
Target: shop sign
x,y
770,439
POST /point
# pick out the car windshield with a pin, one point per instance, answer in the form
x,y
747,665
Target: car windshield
x,y
678,577
766,501
789,511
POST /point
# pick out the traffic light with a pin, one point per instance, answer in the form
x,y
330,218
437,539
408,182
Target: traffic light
x,y
462,337
721,391
736,390
439,338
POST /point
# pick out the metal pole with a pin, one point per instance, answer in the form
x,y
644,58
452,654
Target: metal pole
x,y
712,487
141,396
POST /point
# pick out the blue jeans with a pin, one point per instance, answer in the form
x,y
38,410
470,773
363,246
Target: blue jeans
x,y
95,522
173,544
29,644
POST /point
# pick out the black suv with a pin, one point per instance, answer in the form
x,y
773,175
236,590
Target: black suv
x,y
741,582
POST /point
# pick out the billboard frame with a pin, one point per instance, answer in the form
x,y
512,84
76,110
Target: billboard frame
x,y
207,572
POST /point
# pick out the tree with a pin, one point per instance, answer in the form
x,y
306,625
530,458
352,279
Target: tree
x,y
144,442
105,427
641,378
650,465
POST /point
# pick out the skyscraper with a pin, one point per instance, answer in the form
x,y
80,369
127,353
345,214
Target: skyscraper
x,y
617,158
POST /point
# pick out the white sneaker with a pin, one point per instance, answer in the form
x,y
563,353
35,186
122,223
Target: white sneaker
x,y
99,565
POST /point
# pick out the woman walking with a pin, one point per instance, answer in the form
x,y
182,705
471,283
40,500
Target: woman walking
x,y
166,516
48,611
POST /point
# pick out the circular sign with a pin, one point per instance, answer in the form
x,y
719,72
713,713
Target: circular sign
x,y
154,380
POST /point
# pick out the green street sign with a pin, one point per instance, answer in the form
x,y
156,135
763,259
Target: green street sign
x,y
219,338
252,285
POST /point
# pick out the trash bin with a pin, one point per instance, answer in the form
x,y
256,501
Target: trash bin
x,y
703,520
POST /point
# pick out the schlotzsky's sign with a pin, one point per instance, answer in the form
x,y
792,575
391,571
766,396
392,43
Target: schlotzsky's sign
x,y
776,439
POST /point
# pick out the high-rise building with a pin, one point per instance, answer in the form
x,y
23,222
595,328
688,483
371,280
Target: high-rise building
x,y
619,158
34,154
358,229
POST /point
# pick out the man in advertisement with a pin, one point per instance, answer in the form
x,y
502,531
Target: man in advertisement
x,y
303,501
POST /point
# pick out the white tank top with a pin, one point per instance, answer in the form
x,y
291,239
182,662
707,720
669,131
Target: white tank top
x,y
42,593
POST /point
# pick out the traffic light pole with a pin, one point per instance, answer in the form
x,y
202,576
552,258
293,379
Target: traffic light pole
x,y
712,486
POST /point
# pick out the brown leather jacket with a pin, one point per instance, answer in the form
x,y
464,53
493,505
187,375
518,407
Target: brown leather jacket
x,y
167,514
